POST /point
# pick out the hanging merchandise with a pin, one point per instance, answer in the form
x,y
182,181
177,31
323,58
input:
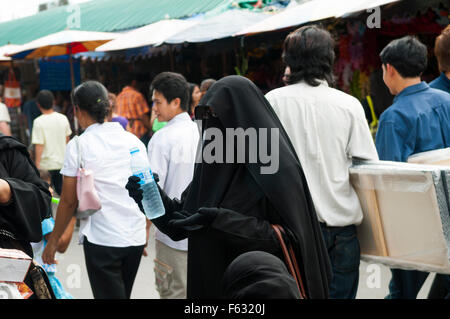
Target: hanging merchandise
x,y
12,95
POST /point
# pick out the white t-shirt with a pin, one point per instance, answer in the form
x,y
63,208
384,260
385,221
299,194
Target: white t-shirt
x,y
105,149
171,153
51,130
4,114
327,128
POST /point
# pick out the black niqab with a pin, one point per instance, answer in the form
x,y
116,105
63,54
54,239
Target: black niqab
x,y
282,197
258,275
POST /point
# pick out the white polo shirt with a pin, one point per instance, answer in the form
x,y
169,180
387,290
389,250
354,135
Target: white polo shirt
x,y
171,153
105,148
327,128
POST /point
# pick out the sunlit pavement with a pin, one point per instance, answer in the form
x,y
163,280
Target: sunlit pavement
x,y
373,283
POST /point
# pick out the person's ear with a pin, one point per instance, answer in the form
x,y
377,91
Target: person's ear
x,y
391,71
176,103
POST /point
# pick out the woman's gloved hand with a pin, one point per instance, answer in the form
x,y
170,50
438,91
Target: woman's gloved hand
x,y
135,191
203,218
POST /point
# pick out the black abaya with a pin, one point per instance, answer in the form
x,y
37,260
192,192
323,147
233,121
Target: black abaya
x,y
258,200
20,220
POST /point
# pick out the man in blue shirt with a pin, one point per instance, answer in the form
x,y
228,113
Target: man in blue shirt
x,y
417,121
441,284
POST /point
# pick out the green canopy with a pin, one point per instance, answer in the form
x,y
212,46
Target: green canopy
x,y
102,15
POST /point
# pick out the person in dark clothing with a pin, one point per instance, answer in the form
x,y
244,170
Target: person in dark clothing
x,y
31,111
24,197
229,206
258,275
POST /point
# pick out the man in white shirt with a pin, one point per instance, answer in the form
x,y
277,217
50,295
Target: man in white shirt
x,y
171,153
327,128
4,120
51,133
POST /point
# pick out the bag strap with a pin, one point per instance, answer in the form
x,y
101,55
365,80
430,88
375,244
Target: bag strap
x,y
290,260
80,160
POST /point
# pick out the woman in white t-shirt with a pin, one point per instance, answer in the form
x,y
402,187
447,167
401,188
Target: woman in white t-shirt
x,y
114,237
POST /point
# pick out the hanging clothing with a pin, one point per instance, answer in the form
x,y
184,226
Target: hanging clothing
x,y
259,200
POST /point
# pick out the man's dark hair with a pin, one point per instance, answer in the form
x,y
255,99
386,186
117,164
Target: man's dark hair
x,y
172,85
309,53
407,55
45,99
129,77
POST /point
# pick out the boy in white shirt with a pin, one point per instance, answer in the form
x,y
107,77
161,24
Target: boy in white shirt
x,y
51,132
171,153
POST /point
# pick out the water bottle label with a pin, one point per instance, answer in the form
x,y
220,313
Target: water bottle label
x,y
145,176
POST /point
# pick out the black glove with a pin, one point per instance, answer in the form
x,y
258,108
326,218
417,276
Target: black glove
x,y
204,217
135,191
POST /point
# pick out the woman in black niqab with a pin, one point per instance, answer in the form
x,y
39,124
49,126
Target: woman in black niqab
x,y
234,204
258,275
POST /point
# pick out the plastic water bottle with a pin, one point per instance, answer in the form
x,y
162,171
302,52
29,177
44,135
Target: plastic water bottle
x,y
152,203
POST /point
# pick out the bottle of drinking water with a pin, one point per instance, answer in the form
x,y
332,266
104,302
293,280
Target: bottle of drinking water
x,y
152,203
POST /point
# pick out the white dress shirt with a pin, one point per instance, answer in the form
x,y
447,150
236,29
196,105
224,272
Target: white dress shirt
x,y
105,149
327,128
171,153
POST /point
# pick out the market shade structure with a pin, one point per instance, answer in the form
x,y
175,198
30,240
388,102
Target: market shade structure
x,y
4,50
221,26
102,15
313,10
152,34
61,43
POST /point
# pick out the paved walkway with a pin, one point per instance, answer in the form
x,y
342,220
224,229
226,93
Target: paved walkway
x,y
72,274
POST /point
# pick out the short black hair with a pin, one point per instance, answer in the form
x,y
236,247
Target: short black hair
x,y
309,53
45,99
92,97
172,85
407,55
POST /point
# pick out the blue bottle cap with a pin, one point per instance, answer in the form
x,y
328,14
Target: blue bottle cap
x,y
134,150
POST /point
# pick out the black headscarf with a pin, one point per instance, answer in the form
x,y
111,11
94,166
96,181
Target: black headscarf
x,y
258,275
238,103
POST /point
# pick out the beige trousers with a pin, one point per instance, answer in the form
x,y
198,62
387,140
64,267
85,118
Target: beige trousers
x,y
170,271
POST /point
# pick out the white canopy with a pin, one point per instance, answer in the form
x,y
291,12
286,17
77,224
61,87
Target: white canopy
x,y
310,11
221,26
152,34
6,49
